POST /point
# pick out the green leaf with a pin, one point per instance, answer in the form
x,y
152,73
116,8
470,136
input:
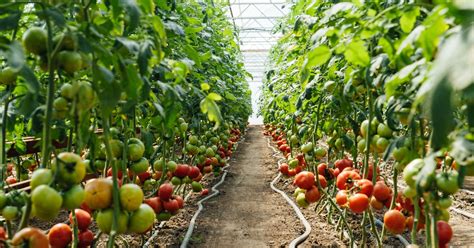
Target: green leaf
x,y
209,107
15,56
10,22
30,79
133,12
133,83
441,114
205,87
357,53
317,56
214,96
108,90
408,19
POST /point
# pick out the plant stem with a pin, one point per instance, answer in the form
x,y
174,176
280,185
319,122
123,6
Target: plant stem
x,y
115,192
75,240
3,141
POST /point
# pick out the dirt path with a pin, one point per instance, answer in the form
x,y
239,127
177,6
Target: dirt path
x,y
247,213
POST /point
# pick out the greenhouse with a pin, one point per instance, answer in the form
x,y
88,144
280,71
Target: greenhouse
x,y
236,123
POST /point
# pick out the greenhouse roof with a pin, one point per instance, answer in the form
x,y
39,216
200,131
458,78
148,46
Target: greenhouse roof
x,y
254,21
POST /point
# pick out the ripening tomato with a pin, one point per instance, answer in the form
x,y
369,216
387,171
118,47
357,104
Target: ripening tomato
x,y
445,232
394,221
346,179
381,191
180,201
358,203
98,193
3,233
365,187
375,204
409,222
30,237
60,235
312,195
83,219
341,197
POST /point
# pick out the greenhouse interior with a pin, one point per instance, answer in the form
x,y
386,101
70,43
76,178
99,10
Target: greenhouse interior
x,y
236,123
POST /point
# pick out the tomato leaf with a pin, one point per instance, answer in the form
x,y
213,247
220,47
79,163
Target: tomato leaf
x,y
357,53
408,19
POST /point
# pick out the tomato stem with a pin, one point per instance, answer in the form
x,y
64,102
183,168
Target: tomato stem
x,y
115,192
75,240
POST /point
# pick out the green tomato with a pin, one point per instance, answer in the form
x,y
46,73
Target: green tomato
x,y
183,127
74,197
293,163
164,216
320,152
140,166
3,199
158,164
117,148
193,140
384,131
136,149
176,181
445,203
69,167
301,200
10,212
411,170
131,196
197,187
104,221
8,76
298,191
41,177
68,91
307,147
60,104
142,219
447,182
100,165
46,201
171,165
70,61
361,145
382,144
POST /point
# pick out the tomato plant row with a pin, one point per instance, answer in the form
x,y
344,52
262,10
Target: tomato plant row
x,y
164,83
360,88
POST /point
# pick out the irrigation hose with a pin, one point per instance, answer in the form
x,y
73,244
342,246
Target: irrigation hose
x,y
192,223
307,226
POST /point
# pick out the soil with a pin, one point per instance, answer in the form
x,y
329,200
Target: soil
x,y
248,213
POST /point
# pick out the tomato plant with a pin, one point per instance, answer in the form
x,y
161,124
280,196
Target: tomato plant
x,y
367,90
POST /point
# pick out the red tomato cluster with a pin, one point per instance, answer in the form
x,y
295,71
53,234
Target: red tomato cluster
x,y
165,204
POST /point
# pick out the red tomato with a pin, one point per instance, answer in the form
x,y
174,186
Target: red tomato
x,y
86,238
322,181
337,172
341,197
205,192
180,201
445,232
341,164
165,191
358,203
86,208
346,179
304,180
171,205
181,170
370,175
155,203
284,168
83,219
365,187
60,235
3,233
312,195
381,191
394,221
292,172
10,180
193,172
